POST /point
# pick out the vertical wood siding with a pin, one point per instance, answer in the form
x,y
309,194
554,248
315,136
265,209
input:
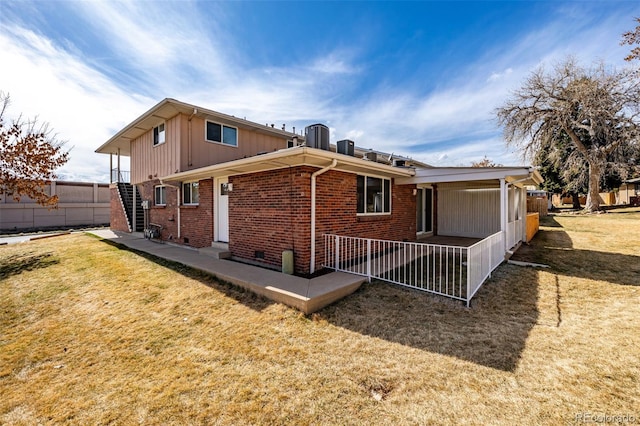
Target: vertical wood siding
x,y
205,153
467,211
159,160
177,154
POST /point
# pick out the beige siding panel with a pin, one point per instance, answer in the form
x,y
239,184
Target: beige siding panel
x,y
464,211
159,160
205,153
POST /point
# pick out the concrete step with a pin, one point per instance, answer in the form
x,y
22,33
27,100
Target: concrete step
x,y
215,252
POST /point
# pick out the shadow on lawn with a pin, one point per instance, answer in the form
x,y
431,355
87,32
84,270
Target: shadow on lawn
x,y
493,332
246,297
553,247
18,263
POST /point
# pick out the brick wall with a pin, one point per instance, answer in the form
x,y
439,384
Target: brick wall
x,y
196,222
337,212
271,212
118,218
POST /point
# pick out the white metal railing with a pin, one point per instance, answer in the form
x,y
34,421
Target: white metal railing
x,y
483,257
120,176
451,271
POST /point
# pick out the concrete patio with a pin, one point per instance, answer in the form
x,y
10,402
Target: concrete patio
x,y
306,295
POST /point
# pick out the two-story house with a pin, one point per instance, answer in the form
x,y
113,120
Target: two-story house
x,y
206,178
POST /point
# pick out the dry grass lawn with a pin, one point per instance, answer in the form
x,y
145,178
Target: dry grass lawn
x,y
94,334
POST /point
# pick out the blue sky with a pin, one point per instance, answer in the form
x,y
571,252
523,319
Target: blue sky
x,y
416,78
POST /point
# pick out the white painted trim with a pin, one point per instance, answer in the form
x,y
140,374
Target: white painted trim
x,y
503,211
216,203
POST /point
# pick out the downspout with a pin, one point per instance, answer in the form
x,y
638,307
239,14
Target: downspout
x,y
189,155
313,212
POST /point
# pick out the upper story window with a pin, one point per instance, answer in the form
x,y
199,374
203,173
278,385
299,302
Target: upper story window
x,y
190,193
158,134
220,133
374,195
160,196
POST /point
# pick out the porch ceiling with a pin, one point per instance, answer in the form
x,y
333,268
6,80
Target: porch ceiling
x,y
298,156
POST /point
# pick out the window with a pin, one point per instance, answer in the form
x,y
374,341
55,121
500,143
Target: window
x,y
374,195
158,134
160,196
190,193
221,134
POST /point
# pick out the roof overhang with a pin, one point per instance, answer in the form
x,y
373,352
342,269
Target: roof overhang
x,y
520,175
168,108
297,156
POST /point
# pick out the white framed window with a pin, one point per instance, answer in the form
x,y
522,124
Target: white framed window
x,y
374,195
190,194
158,134
160,195
219,133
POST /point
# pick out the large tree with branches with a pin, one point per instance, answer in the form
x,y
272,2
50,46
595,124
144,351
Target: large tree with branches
x,y
596,109
29,156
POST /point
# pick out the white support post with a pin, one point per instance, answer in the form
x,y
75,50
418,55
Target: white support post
x,y
110,167
336,260
118,171
504,212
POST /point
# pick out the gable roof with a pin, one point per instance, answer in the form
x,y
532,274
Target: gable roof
x,y
168,108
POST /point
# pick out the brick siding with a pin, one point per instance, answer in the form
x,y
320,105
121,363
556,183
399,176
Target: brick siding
x,y
196,222
271,212
118,218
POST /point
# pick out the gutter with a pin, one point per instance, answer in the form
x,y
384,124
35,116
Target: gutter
x,y
333,164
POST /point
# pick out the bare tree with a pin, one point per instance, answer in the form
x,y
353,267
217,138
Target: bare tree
x,y
596,109
485,162
631,38
29,155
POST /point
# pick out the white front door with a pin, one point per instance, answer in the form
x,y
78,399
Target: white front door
x,y
223,210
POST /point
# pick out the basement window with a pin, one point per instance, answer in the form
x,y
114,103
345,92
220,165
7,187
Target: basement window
x,y
374,195
190,195
219,133
160,195
158,134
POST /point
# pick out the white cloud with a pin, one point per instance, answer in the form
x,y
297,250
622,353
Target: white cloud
x,y
195,60
499,75
82,105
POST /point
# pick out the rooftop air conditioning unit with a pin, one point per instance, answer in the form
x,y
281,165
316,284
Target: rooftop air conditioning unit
x,y
399,163
371,156
317,136
346,147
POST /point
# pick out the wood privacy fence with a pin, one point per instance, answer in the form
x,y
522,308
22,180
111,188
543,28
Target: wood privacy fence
x,y
538,204
533,225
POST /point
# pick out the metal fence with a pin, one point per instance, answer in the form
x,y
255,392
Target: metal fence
x,y
451,271
120,176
